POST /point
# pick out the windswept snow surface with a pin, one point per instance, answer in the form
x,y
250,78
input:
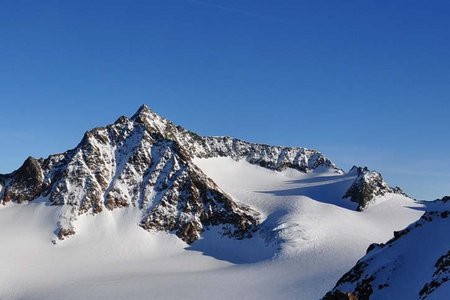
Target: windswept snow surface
x,y
309,237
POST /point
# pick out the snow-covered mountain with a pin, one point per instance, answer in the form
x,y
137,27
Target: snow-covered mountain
x,y
148,203
414,264
146,161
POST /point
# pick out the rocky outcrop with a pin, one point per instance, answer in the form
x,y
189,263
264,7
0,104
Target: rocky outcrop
x,y
422,246
146,161
441,275
2,185
363,288
338,295
25,184
367,185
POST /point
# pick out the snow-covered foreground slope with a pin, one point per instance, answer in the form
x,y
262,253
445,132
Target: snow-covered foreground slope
x,y
415,264
309,237
110,258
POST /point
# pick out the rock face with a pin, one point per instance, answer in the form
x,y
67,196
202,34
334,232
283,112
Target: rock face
x,y
368,185
24,184
418,258
441,275
146,161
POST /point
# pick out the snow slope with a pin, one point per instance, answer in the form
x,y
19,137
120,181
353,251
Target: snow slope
x,y
316,232
415,264
309,237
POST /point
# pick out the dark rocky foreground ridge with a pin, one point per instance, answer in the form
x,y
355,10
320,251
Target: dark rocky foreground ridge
x,y
146,161
416,261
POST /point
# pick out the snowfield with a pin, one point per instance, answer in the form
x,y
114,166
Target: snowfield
x,y
309,238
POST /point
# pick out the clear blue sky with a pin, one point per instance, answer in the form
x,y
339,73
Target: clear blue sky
x,y
365,82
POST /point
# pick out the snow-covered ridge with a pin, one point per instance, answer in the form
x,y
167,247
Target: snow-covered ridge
x,y
271,157
415,264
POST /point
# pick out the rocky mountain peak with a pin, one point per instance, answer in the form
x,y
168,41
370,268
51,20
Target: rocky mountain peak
x,y
153,122
367,185
356,170
30,172
143,109
23,184
144,113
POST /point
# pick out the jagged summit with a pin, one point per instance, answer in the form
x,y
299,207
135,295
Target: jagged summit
x,y
143,109
152,121
144,113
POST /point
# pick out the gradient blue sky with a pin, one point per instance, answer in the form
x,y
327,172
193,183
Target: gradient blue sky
x,y
365,82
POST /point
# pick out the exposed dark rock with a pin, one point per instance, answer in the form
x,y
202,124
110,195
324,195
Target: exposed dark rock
x,y
25,184
338,295
367,185
440,276
372,247
2,186
354,274
65,232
